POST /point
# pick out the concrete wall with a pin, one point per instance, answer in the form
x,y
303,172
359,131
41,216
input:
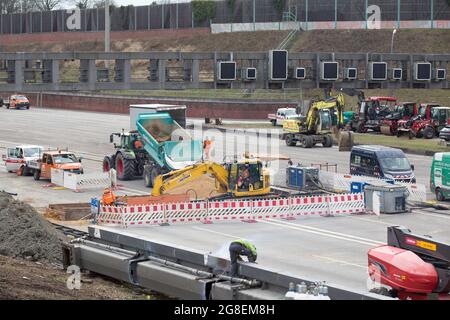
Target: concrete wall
x,y
196,108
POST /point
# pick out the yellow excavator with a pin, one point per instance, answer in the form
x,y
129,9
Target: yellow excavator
x,y
316,126
244,178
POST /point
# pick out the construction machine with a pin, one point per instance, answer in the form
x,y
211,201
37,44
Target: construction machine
x,y
427,124
316,126
244,178
405,111
413,267
370,111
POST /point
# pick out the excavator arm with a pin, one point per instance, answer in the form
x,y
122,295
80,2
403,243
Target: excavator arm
x,y
336,102
176,178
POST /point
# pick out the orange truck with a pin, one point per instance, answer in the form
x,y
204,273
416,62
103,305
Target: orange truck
x,y
65,160
17,101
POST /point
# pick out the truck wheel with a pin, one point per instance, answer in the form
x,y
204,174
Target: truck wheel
x,y
290,142
308,142
148,176
428,133
37,175
107,164
439,195
327,142
274,122
27,171
124,167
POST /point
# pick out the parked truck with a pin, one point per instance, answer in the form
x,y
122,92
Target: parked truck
x,y
282,114
159,145
56,159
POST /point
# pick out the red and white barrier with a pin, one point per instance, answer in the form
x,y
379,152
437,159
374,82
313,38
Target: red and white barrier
x,y
232,210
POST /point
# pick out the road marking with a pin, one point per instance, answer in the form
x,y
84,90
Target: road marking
x,y
371,220
340,261
328,231
324,233
220,233
443,216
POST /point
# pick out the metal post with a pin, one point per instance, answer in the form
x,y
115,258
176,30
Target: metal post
x,y
366,12
41,21
192,15
398,14
335,14
254,15
162,15
107,31
432,14
135,19
97,18
306,14
148,18
392,40
176,10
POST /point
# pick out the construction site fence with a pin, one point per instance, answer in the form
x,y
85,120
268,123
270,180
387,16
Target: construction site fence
x,y
340,182
230,210
180,14
81,182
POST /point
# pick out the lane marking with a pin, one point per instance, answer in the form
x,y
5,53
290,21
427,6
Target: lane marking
x,y
219,233
322,233
443,216
376,242
343,262
372,220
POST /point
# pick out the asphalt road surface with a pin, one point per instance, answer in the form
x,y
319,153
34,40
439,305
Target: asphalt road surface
x,y
332,249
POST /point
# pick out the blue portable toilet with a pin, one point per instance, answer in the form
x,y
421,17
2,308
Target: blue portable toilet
x,y
357,187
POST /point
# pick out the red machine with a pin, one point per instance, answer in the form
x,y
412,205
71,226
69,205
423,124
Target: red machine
x,y
414,267
405,111
427,124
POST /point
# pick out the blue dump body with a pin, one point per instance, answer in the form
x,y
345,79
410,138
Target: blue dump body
x,y
167,142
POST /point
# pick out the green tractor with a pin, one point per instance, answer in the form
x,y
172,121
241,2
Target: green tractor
x,y
129,158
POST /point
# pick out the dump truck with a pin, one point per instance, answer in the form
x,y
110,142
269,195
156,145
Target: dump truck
x,y
316,126
427,124
405,111
159,145
57,159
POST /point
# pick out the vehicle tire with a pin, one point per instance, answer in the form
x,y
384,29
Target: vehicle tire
x,y
27,171
428,133
274,122
309,142
327,141
290,142
37,175
156,171
124,168
439,195
106,164
148,176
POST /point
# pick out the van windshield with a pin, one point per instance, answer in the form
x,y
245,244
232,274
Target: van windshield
x,y
395,164
65,158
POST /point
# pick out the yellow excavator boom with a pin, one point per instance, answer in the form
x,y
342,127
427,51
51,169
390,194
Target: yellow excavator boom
x,y
180,177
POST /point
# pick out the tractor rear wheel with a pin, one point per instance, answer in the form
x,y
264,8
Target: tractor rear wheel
x,y
428,133
124,168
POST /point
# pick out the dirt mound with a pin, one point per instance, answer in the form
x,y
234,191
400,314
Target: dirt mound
x,y
24,233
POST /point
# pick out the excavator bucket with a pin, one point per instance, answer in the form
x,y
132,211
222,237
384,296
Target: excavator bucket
x,y
345,140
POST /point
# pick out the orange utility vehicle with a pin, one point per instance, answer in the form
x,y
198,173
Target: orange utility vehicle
x,y
17,101
58,159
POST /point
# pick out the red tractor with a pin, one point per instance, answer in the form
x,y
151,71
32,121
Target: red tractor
x,y
427,124
371,112
405,111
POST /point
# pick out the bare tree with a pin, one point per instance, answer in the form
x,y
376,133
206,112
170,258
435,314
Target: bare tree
x,y
82,4
9,6
48,5
101,3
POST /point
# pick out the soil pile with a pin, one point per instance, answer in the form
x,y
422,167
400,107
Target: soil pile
x,y
25,234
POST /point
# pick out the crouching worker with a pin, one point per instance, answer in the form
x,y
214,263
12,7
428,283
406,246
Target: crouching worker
x,y
241,248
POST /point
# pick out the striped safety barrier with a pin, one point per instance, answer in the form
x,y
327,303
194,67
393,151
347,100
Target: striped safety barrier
x,y
232,210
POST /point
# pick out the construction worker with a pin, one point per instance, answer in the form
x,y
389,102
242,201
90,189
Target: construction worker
x,y
244,179
207,147
239,248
